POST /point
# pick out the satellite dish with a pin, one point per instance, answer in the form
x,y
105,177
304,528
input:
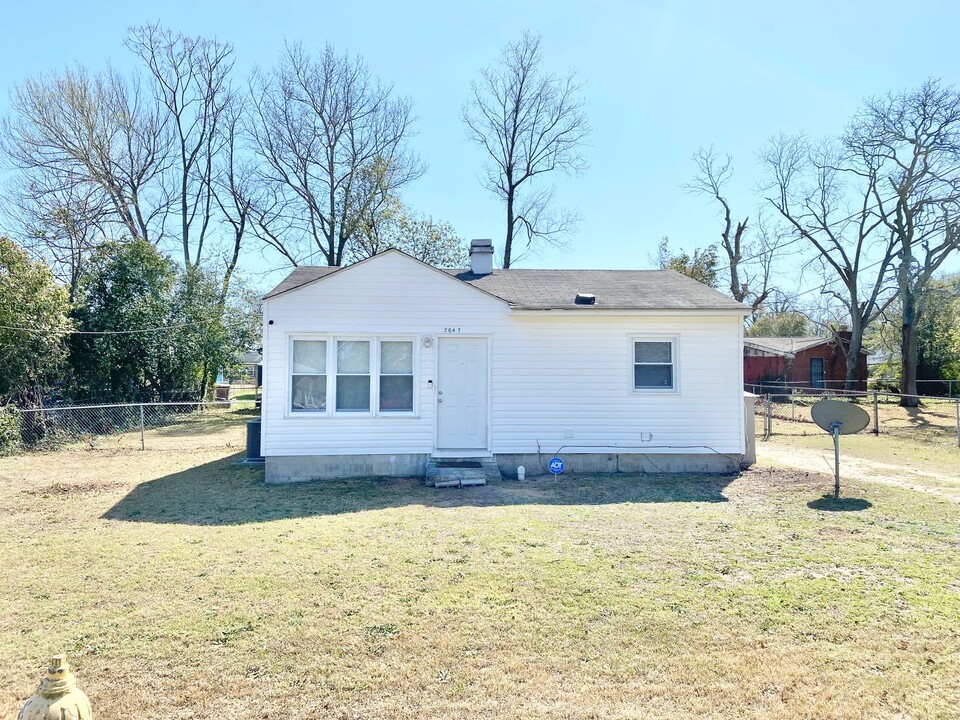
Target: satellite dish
x,y
839,418
851,418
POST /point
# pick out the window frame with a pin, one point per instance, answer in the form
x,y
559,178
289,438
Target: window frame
x,y
331,374
380,374
674,341
291,375
371,343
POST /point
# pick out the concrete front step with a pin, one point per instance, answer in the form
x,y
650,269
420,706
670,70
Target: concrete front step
x,y
460,472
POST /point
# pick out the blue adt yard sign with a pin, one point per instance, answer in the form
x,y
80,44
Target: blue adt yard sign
x,y
555,465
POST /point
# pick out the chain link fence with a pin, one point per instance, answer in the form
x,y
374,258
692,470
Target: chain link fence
x,y
123,425
936,420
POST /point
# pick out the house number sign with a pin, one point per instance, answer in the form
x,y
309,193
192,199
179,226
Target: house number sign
x,y
451,330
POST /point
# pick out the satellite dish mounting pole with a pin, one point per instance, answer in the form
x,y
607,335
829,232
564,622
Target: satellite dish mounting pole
x,y
835,427
838,417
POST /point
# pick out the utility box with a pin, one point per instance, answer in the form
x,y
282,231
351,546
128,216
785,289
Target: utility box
x,y
253,441
749,430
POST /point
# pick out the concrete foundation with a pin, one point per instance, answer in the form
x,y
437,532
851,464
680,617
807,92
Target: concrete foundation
x,y
304,468
291,469
589,463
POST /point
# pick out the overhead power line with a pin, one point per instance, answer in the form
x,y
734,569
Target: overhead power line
x,y
66,331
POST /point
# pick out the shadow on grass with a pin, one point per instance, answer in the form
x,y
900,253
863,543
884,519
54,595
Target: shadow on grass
x,y
222,493
832,504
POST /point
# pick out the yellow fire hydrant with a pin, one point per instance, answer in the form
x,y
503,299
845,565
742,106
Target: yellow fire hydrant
x,y
57,696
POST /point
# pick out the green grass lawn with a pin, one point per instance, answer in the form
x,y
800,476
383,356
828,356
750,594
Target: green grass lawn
x,y
175,574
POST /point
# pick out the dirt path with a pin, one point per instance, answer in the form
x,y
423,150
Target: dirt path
x,y
770,453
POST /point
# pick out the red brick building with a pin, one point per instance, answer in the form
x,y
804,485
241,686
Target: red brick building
x,y
807,362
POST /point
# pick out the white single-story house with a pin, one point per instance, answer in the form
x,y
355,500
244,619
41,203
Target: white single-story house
x,y
378,367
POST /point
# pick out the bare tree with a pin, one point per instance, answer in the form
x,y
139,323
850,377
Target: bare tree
x,y
529,123
827,198
191,82
316,122
78,130
748,264
61,222
234,187
913,139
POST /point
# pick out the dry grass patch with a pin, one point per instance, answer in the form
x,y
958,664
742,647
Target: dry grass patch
x,y
613,597
934,453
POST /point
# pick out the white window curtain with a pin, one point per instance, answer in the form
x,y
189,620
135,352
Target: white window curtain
x,y
309,386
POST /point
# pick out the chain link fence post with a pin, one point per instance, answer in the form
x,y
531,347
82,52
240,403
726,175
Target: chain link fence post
x,y
142,442
957,407
768,426
876,412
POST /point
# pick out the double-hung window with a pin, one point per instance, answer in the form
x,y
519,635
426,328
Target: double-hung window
x,y
309,380
654,364
369,375
396,376
353,376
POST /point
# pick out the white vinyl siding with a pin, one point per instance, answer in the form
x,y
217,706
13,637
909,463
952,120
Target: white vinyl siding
x,y
556,378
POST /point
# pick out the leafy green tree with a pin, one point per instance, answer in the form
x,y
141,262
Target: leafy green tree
x,y
125,295
33,325
939,332
782,324
938,337
939,342
209,330
393,225
702,266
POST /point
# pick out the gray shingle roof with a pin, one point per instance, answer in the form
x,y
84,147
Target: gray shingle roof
x,y
526,289
614,289
786,345
302,275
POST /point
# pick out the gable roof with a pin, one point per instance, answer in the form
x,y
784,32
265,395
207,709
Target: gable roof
x,y
300,276
527,289
789,346
785,345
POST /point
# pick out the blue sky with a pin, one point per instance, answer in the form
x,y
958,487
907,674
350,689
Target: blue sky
x,y
662,79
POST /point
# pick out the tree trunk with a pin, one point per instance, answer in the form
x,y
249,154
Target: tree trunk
x,y
508,244
908,336
851,354
908,361
185,219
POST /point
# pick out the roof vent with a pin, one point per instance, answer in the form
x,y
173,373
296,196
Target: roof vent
x,y
585,299
481,257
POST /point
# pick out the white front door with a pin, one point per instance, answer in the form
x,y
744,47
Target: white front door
x,y
462,393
